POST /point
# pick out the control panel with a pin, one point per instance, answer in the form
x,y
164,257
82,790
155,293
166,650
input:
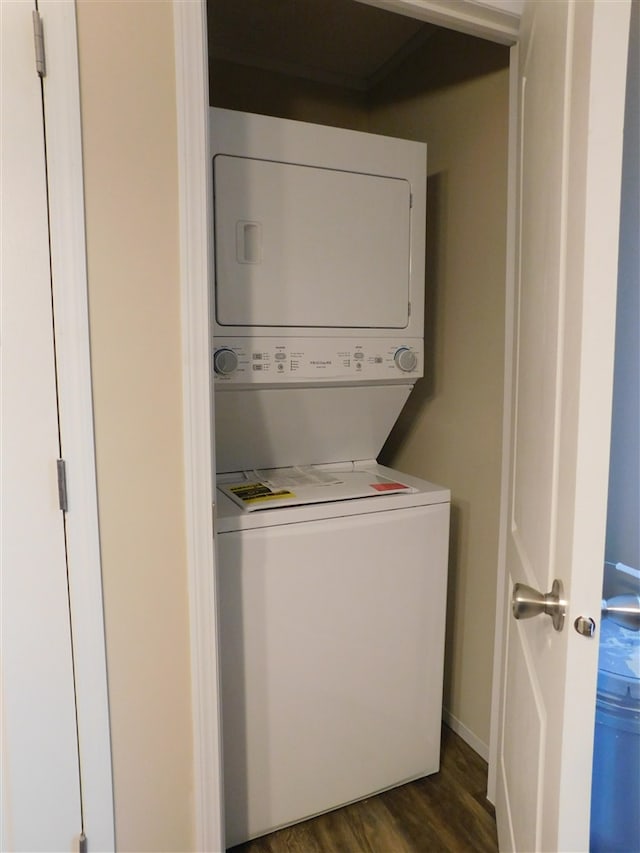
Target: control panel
x,y
301,360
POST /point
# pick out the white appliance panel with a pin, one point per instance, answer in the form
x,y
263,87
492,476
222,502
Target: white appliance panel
x,y
299,246
332,635
346,210
278,427
284,361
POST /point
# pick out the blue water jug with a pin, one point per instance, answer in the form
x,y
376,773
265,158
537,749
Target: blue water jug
x,y
615,791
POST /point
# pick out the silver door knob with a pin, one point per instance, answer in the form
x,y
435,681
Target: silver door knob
x,y
527,602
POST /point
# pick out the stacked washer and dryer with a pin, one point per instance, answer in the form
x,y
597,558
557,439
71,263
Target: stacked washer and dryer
x,y
332,568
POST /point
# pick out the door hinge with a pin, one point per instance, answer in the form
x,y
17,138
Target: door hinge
x,y
410,200
38,37
82,843
62,485
409,310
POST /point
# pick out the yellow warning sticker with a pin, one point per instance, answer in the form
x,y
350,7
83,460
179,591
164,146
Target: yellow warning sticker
x,y
250,493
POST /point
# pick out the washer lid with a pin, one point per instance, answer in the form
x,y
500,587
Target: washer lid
x,y
281,487
399,491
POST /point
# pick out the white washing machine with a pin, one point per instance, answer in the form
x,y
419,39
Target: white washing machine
x,y
332,569
332,629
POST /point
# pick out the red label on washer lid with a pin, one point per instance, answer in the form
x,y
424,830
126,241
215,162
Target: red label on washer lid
x,y
387,487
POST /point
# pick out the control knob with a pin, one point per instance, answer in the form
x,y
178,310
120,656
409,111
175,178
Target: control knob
x,y
225,361
405,359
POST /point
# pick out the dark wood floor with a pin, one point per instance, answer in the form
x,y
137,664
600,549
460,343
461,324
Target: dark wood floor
x,y
444,812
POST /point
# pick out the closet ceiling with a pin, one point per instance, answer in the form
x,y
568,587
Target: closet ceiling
x,y
333,41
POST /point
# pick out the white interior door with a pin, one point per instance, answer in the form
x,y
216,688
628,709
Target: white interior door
x,y
41,807
572,79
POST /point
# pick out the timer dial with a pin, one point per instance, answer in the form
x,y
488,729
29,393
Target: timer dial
x,y
225,361
405,359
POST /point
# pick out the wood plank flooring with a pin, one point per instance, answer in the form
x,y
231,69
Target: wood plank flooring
x,y
444,813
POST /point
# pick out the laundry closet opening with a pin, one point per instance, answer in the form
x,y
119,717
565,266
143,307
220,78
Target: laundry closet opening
x,y
349,65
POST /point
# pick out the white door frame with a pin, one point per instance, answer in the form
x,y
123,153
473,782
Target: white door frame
x,y
494,19
68,267
509,341
195,202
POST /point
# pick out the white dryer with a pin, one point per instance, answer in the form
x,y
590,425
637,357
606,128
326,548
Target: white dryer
x,y
332,569
318,288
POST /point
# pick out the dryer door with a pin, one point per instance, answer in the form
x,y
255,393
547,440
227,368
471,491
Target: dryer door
x,y
301,246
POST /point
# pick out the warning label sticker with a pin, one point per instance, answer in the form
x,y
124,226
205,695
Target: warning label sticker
x,y
250,493
388,487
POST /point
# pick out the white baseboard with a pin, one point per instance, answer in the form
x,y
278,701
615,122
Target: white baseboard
x,y
466,734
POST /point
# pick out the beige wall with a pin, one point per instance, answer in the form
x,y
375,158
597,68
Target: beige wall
x,y
453,95
239,87
129,138
450,431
